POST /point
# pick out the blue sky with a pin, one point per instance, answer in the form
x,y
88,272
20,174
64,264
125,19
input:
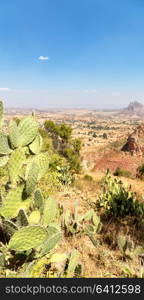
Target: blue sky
x,y
71,53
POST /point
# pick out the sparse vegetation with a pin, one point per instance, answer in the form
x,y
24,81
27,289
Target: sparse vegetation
x,y
140,172
122,172
57,219
88,177
119,200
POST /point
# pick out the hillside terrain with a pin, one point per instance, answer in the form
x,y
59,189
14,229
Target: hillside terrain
x,y
79,181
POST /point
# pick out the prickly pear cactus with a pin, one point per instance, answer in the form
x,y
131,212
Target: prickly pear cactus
x,y
9,227
13,202
96,222
28,130
27,238
15,164
4,146
73,262
36,145
3,160
2,260
50,210
53,237
32,178
122,243
42,161
67,220
13,134
36,268
87,216
58,257
34,217
22,219
38,200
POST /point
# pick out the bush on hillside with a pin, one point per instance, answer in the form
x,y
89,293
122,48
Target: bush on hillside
x,y
88,177
119,200
122,172
140,172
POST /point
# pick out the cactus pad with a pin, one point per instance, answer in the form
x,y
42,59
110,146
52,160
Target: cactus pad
x,y
50,210
38,200
27,238
4,146
73,262
2,260
28,129
42,161
36,145
34,217
15,163
13,134
96,222
32,178
22,218
3,160
13,203
53,237
58,257
9,227
122,243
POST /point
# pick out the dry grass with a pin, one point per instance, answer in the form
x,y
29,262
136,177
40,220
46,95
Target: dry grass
x,y
105,260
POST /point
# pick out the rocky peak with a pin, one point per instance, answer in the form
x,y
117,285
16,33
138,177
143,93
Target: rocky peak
x,y
135,141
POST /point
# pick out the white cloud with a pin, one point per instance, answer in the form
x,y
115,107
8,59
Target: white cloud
x,y
4,89
41,57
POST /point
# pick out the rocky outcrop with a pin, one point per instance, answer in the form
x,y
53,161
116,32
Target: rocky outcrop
x,y
135,141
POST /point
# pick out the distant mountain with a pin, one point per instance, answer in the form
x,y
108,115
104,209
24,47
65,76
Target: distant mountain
x,y
134,107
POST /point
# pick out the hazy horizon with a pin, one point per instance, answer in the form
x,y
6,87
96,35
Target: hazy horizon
x,y
71,54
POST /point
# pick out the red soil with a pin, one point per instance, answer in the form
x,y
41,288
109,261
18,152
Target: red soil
x,y
114,159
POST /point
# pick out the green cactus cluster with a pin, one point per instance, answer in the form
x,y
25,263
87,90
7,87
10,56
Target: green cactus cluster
x,y
119,200
75,223
124,244
25,215
28,219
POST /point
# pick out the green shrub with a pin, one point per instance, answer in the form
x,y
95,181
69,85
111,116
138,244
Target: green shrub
x,y
105,136
73,159
122,172
94,135
140,172
64,131
65,176
51,127
88,177
56,161
118,200
47,141
76,143
17,120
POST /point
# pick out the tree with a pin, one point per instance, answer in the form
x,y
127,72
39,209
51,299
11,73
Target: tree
x,y
64,131
77,145
73,159
51,127
94,135
105,136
